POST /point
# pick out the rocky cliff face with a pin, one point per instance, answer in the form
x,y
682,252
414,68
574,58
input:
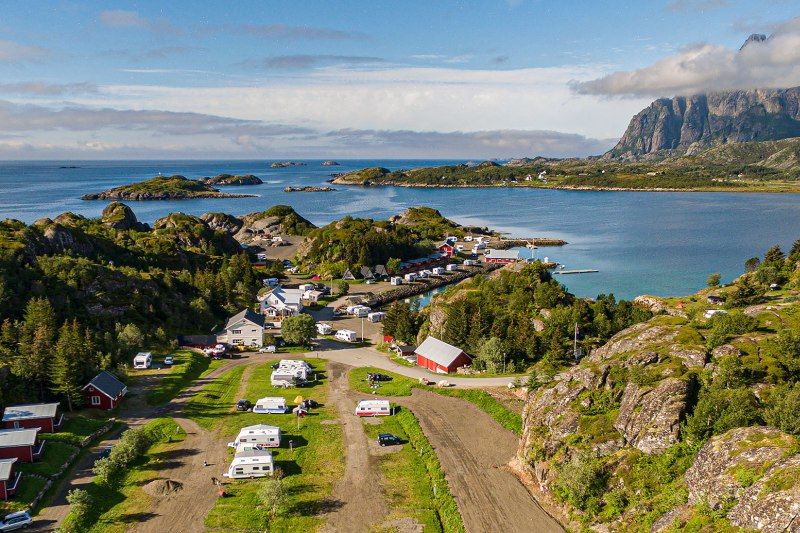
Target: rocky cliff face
x,y
683,124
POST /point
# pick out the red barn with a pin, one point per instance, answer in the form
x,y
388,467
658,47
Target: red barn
x,y
501,256
105,391
440,357
447,249
20,444
9,481
39,415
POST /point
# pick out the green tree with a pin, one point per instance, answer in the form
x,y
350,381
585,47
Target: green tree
x,y
393,265
751,265
66,370
719,410
80,504
784,409
774,255
131,338
491,354
713,279
342,288
299,329
272,495
581,480
401,322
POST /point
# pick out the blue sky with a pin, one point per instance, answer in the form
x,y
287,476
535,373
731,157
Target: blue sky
x,y
365,79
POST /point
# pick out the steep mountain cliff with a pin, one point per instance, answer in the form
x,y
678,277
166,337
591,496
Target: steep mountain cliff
x,y
685,124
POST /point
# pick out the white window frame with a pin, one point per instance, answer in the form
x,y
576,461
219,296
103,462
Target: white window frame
x,y
95,400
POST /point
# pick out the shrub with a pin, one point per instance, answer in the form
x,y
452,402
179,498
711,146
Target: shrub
x,y
784,410
298,330
581,481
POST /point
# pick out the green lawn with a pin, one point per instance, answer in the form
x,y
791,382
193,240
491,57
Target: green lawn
x,y
28,488
402,386
189,365
406,480
54,456
75,429
310,470
215,399
116,510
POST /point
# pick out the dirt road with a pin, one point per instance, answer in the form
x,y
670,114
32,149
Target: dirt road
x,y
361,501
473,449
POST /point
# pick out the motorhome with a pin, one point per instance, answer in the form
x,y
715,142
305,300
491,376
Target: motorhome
x,y
251,463
373,408
324,329
271,405
259,435
346,335
377,316
143,360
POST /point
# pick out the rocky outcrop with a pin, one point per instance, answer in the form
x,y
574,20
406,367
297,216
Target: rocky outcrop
x,y
772,504
287,164
657,305
60,238
635,338
162,188
223,222
727,463
309,188
229,179
119,216
649,419
684,124
329,163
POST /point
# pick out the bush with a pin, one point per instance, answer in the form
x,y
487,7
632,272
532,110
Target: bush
x,y
719,410
80,503
784,410
298,330
581,481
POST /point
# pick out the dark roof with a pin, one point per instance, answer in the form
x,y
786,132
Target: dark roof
x,y
366,271
106,382
247,314
381,270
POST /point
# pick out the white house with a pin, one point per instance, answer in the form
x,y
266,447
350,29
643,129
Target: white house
x,y
346,335
271,405
251,463
258,435
143,360
244,329
281,303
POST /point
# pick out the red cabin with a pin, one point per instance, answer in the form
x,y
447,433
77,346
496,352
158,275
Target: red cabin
x,y
20,444
38,415
501,256
105,391
439,357
447,249
9,480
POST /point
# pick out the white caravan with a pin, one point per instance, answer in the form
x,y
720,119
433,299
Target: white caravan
x,y
143,360
251,463
373,408
346,335
271,405
259,435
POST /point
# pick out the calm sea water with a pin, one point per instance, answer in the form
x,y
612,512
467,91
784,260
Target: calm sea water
x,y
656,243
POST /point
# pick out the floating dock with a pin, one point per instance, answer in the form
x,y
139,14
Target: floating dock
x,y
583,271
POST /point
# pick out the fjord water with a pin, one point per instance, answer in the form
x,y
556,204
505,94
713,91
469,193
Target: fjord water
x,y
653,243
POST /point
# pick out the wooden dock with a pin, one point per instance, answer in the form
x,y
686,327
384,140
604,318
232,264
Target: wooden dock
x,y
583,271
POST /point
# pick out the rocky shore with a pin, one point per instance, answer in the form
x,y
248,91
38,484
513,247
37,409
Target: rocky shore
x,y
287,164
229,179
162,188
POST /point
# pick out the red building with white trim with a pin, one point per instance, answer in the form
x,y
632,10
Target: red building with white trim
x,y
20,444
44,416
501,256
447,249
439,357
105,391
9,480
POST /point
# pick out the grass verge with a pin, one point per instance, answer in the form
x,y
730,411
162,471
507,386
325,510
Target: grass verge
x,y
215,399
118,509
54,455
188,366
311,468
76,428
402,386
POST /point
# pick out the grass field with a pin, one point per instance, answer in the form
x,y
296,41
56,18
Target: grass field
x,y
402,386
28,488
116,510
188,366
310,469
75,429
409,475
54,456
215,399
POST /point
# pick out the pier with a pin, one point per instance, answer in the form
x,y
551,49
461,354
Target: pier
x,y
581,271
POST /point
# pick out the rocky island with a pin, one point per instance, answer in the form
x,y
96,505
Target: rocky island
x,y
330,163
287,164
229,179
309,188
162,188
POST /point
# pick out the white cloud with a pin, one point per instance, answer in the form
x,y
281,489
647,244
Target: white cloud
x,y
705,67
40,88
11,51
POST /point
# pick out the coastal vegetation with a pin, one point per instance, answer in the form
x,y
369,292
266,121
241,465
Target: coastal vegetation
x,y
651,429
229,179
770,166
168,188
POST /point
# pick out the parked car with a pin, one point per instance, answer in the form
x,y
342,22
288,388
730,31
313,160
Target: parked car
x,y
268,349
378,377
169,360
387,439
243,405
371,282
15,521
309,404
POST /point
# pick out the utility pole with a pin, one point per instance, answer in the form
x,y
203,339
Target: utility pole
x,y
575,352
362,329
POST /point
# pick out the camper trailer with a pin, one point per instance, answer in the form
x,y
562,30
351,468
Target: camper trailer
x,y
452,268
284,378
271,405
396,280
377,316
251,463
143,360
324,329
373,408
411,276
438,271
346,335
360,311
258,435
